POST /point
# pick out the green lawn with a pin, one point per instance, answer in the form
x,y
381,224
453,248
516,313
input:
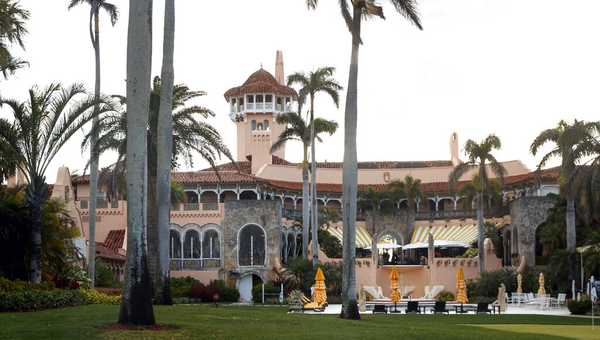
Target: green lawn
x,y
208,322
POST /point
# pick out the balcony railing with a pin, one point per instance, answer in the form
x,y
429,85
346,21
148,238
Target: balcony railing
x,y
194,264
191,206
211,206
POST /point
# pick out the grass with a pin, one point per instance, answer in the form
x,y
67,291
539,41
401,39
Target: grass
x,y
247,323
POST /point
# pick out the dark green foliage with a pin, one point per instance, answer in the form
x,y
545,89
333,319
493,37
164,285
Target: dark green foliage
x,y
104,276
331,246
580,307
181,286
190,290
271,293
486,287
304,277
33,300
446,296
8,286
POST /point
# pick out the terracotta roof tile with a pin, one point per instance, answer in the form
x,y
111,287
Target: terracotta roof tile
x,y
210,177
104,252
261,81
115,239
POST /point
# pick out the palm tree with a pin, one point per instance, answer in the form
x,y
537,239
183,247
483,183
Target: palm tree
x,y
565,137
409,188
298,130
587,176
317,81
164,153
95,7
480,158
361,9
41,127
188,135
12,30
136,301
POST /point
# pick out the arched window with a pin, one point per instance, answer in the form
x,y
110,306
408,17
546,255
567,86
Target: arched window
x,y
191,245
259,126
251,246
253,125
211,245
266,124
174,244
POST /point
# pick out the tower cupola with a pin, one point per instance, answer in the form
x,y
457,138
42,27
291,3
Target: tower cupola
x,y
253,107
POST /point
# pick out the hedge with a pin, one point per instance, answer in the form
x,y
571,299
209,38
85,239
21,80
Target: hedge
x,y
33,300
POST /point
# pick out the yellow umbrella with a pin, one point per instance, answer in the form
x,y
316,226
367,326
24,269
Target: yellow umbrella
x,y
320,292
461,287
519,283
541,290
395,296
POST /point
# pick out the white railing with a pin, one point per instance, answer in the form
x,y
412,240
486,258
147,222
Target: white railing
x,y
249,106
259,106
268,106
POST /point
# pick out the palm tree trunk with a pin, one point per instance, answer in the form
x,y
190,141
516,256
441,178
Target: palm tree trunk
x,y
94,155
136,304
481,231
350,174
162,290
36,194
570,220
305,205
313,197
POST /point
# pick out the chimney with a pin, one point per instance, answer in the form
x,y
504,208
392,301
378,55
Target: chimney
x,y
279,76
454,149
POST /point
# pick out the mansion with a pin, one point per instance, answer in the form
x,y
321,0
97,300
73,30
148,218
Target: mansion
x,y
245,221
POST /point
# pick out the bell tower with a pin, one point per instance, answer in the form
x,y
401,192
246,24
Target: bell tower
x,y
253,107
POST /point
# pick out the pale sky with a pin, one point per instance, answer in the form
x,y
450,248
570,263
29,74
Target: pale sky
x,y
509,67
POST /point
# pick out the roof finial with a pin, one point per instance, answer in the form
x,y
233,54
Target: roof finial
x,y
261,66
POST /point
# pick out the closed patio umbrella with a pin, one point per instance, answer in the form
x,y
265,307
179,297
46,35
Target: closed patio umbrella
x,y
461,287
519,283
395,295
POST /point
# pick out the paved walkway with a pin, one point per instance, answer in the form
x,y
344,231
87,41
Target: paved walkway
x,y
336,309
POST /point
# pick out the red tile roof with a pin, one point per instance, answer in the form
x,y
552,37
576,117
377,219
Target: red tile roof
x,y
261,81
104,252
115,239
210,177
242,166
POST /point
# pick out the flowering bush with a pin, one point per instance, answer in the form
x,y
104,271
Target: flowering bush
x,y
95,297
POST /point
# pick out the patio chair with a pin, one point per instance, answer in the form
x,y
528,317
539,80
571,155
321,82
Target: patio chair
x,y
561,300
440,308
375,293
379,309
483,308
412,307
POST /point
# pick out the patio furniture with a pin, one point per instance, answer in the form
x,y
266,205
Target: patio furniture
x,y
559,301
440,307
483,308
412,307
374,293
379,309
431,292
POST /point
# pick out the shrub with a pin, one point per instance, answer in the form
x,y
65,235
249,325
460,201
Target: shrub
x,y
33,300
580,307
206,293
181,286
470,253
331,246
486,287
95,297
9,286
445,296
104,276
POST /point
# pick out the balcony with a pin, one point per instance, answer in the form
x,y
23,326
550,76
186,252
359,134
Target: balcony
x,y
195,264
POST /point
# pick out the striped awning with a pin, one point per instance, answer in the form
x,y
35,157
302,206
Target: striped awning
x,y
363,238
455,233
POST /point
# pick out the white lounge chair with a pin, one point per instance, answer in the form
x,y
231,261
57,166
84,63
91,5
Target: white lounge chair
x,y
431,292
375,293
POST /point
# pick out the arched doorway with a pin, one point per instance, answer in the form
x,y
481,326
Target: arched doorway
x,y
246,283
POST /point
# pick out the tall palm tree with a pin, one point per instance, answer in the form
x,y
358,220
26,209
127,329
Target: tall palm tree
x,y
136,301
361,9
565,137
481,160
298,130
41,127
409,188
311,84
94,28
164,153
587,175
12,30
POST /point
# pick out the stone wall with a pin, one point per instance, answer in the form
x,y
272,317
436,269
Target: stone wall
x,y
527,213
266,214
